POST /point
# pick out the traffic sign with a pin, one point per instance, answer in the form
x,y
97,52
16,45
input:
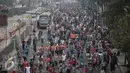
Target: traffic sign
x,y
28,17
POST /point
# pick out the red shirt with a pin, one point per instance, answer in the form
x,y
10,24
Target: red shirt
x,y
40,49
95,60
48,60
53,72
73,36
70,62
13,72
25,64
76,46
109,52
74,61
84,70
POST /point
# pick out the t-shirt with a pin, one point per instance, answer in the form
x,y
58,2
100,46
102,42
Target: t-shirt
x,y
25,64
68,71
63,57
53,72
62,41
28,70
102,71
48,60
74,61
109,52
41,49
13,72
73,36
94,60
84,70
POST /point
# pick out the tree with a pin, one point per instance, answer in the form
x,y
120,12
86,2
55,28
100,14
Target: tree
x,y
23,2
28,3
118,21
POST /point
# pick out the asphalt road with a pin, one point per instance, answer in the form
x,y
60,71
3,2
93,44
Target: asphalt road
x,y
85,58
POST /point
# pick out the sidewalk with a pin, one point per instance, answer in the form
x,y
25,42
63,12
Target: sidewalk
x,y
121,62
7,46
121,59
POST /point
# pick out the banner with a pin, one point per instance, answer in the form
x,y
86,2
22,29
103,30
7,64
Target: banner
x,y
54,47
73,36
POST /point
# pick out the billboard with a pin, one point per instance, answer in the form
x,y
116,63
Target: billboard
x,y
3,20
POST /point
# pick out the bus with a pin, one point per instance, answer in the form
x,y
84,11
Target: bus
x,y
44,20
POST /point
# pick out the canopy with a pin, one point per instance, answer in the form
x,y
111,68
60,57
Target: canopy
x,y
73,36
54,47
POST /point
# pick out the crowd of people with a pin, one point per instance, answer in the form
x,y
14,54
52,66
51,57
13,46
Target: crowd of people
x,y
74,46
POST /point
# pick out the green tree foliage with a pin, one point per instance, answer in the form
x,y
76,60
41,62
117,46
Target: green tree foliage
x,y
117,19
118,16
23,2
7,2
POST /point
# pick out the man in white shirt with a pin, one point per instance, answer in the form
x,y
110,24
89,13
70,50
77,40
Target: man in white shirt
x,y
63,57
62,41
27,69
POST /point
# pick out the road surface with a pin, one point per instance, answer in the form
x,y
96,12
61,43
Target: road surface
x,y
31,53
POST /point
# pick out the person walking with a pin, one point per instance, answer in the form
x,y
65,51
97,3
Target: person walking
x,y
27,69
114,61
